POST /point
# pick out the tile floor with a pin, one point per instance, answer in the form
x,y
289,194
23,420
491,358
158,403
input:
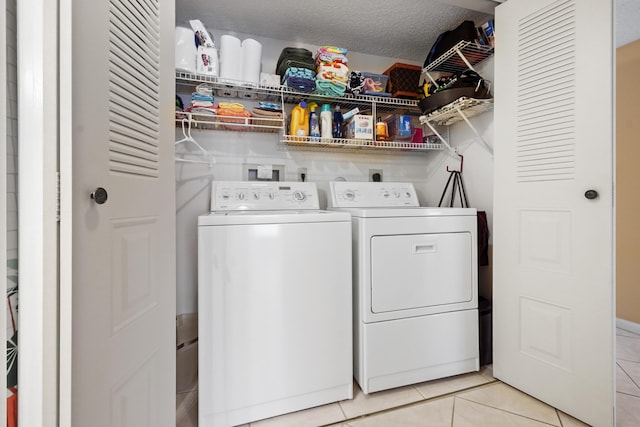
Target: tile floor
x,y
475,399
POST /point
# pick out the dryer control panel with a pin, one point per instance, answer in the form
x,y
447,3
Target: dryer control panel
x,y
262,196
372,194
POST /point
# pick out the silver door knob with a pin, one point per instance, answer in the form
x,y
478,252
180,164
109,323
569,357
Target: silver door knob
x,y
591,194
99,195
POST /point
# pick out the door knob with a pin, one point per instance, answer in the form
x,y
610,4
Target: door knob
x,y
591,194
99,195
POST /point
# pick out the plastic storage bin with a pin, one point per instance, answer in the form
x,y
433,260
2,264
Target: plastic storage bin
x,y
404,80
400,127
379,84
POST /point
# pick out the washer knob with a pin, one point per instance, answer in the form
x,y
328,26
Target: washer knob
x,y
299,196
256,196
240,196
349,195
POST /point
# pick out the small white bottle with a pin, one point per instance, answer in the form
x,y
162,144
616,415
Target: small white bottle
x,y
326,122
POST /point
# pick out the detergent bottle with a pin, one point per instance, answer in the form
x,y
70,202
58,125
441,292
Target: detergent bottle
x,y
337,123
326,121
299,125
314,125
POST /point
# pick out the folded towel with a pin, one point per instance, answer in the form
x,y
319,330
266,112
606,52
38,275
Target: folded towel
x,y
324,87
230,106
202,103
198,97
271,106
299,72
259,112
300,83
323,58
332,49
335,72
204,89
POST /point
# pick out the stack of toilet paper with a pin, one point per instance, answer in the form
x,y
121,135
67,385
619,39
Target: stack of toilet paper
x,y
240,61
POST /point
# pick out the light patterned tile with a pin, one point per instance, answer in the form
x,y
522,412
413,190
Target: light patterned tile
x,y
569,421
436,413
187,409
624,383
470,414
487,372
627,348
444,386
313,417
373,402
632,369
627,410
506,398
623,333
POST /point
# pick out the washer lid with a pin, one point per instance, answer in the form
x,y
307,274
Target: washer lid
x,y
407,212
272,217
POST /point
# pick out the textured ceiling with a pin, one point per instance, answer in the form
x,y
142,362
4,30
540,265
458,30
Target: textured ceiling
x,y
392,28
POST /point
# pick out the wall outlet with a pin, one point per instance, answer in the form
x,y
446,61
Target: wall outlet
x,y
302,174
375,175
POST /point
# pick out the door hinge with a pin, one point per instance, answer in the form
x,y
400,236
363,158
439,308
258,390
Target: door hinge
x,y
58,196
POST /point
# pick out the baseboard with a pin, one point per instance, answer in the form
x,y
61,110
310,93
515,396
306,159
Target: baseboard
x,y
628,326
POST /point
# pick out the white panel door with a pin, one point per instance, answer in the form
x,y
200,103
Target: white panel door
x,y
123,250
553,242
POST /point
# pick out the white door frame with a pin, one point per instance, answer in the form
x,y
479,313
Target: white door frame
x,y
3,200
38,229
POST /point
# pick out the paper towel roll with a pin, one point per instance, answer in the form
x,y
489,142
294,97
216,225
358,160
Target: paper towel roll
x,y
252,58
185,50
230,58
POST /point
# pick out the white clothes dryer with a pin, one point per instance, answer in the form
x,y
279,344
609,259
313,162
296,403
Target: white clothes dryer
x,y
274,303
415,285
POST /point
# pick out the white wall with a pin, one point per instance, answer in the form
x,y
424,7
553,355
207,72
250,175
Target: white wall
x,y
232,150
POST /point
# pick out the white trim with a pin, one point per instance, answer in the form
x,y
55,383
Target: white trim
x,y
37,246
3,203
65,56
628,326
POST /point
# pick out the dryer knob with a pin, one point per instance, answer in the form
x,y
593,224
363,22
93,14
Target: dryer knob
x,y
272,196
299,196
349,195
240,196
256,196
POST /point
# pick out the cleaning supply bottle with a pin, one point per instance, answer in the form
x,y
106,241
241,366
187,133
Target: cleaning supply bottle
x,y
314,125
299,125
326,122
382,131
337,123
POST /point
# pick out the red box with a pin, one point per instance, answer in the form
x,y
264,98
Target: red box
x,y
404,80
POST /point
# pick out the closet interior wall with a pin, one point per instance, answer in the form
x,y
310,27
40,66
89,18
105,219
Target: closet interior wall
x,y
234,150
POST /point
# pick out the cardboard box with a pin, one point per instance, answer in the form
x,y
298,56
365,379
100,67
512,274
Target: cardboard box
x,y
360,126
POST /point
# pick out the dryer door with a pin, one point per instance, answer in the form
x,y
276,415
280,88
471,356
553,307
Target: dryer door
x,y
429,272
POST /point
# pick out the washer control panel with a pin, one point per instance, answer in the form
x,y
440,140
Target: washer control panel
x,y
260,196
372,194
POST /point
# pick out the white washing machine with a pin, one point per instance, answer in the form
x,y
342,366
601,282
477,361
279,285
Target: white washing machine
x,y
415,285
274,303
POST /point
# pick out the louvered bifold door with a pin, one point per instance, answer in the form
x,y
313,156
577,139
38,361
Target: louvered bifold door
x,y
553,204
123,262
